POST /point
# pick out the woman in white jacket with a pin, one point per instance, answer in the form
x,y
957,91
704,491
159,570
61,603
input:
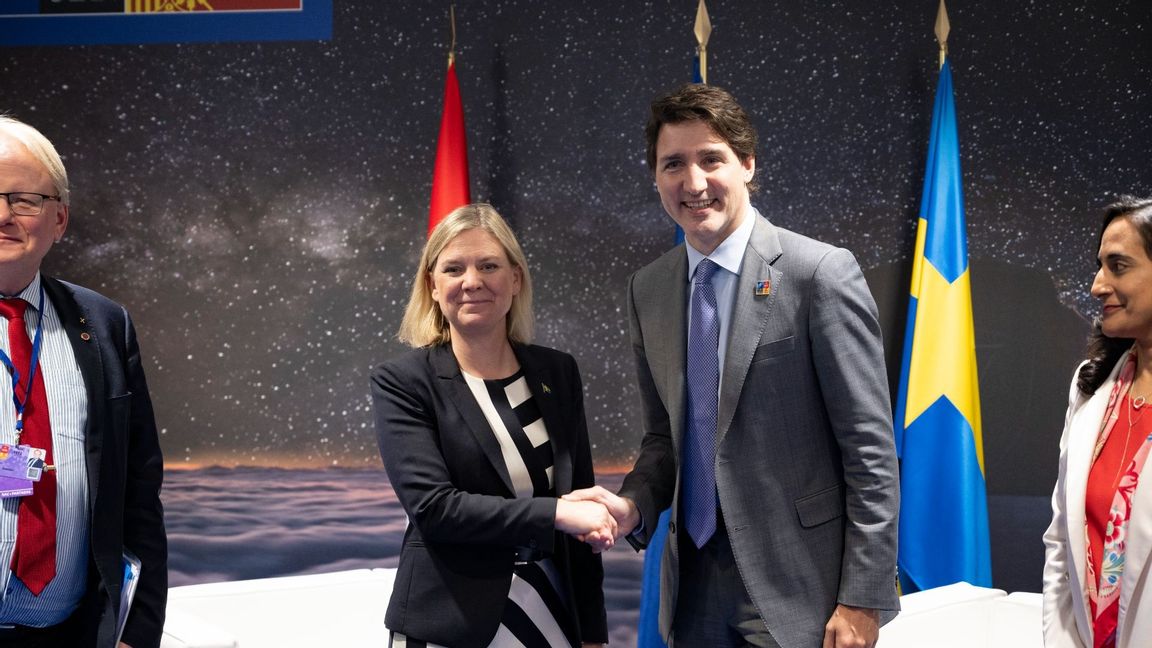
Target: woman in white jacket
x,y
1098,570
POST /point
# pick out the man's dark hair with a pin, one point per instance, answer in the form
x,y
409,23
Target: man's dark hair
x,y
709,104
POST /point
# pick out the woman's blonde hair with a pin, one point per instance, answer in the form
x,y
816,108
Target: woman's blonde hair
x,y
423,323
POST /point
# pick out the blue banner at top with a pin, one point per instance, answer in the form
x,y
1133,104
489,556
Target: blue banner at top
x,y
112,22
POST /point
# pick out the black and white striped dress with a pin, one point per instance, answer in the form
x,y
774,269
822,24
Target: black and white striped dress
x,y
535,614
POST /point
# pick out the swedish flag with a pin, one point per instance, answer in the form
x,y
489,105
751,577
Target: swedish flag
x,y
944,509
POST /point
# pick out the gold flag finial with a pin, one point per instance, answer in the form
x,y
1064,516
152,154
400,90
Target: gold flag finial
x,y
942,28
452,46
703,30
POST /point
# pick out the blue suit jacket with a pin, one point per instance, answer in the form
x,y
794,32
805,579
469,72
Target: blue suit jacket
x,y
124,464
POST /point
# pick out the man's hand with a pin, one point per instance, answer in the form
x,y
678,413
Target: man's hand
x,y
852,627
623,510
588,521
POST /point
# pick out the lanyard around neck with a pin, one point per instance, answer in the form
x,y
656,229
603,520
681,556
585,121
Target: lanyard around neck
x,y
33,363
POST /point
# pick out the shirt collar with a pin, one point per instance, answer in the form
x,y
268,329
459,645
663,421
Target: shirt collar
x,y
31,293
730,253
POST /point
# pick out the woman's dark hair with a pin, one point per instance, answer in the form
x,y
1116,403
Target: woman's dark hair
x,y
1103,351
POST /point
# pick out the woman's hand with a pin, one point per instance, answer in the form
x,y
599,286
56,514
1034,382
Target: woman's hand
x,y
588,522
623,509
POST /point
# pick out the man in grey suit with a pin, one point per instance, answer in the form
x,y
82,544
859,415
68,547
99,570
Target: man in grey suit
x,y
767,418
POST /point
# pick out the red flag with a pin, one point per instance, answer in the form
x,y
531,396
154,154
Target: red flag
x,y
450,187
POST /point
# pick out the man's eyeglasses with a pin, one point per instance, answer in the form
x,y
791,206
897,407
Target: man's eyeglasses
x,y
26,203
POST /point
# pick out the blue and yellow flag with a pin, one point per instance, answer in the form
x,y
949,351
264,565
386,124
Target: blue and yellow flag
x,y
943,508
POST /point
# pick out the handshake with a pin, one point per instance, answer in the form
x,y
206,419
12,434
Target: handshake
x,y
596,516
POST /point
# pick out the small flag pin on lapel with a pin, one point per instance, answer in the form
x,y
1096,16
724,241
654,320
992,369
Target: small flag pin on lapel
x,y
764,288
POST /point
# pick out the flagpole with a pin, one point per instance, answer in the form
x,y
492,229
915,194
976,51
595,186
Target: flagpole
x,y
942,28
452,26
702,29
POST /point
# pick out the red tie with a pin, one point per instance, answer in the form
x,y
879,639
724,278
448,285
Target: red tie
x,y
34,560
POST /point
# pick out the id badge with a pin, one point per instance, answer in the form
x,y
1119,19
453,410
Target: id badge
x,y
22,462
20,466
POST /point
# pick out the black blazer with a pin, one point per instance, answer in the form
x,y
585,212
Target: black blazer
x,y
465,522
124,465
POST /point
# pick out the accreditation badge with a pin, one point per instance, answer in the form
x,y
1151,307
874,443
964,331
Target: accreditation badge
x,y
20,466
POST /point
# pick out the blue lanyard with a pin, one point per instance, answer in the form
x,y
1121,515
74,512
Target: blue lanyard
x,y
21,404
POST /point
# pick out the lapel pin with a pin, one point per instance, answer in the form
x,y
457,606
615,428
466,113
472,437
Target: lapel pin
x,y
764,288
547,390
84,336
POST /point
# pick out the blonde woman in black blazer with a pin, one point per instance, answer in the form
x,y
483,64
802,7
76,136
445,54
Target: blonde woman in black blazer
x,y
480,433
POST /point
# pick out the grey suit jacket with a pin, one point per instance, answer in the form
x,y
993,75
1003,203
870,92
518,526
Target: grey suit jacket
x,y
806,467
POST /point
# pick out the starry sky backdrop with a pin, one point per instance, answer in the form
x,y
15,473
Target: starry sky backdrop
x,y
260,207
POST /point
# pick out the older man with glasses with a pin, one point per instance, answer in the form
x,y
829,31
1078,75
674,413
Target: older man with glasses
x,y
80,462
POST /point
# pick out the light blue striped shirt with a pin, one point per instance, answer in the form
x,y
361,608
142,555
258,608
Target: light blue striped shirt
x,y
68,412
729,255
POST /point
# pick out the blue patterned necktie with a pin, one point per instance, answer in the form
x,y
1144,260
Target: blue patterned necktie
x,y
699,473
